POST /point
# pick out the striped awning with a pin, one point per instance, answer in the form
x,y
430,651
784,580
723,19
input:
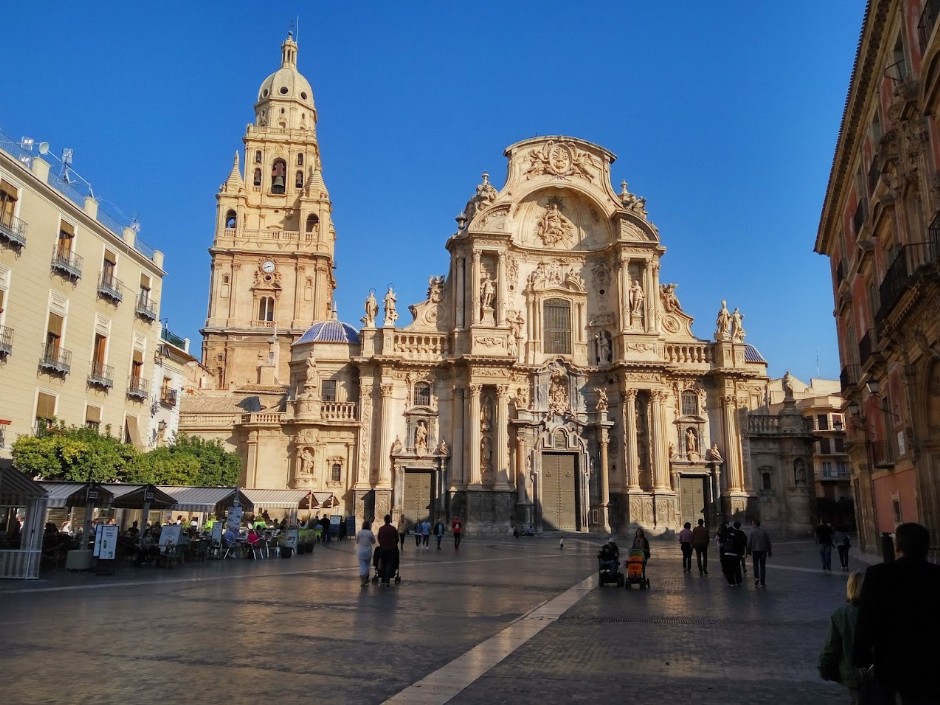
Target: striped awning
x,y
134,497
206,499
276,499
16,489
73,494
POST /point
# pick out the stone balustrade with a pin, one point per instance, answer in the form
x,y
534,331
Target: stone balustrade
x,y
265,417
426,344
688,353
338,410
203,420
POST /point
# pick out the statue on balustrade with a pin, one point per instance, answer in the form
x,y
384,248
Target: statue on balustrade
x,y
391,315
372,310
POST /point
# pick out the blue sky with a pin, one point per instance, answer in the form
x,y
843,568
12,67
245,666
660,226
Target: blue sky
x,y
724,115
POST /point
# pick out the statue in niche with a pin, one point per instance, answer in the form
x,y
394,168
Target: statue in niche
x,y
636,300
421,438
391,315
512,347
691,442
396,446
667,293
306,462
372,310
672,449
522,398
558,393
486,415
601,399
723,322
486,453
554,228
602,346
737,325
487,294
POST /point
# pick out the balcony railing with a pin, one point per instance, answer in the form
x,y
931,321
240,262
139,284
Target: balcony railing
x,y
67,262
101,375
6,340
849,376
882,454
172,338
138,388
861,212
110,287
56,360
928,18
12,230
168,397
902,270
146,308
835,473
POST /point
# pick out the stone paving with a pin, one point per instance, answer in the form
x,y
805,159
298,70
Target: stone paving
x,y
302,630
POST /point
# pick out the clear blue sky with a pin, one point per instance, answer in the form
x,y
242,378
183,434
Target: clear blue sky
x,y
723,115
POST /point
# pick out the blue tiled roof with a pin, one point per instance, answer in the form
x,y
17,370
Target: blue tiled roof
x,y
330,332
752,354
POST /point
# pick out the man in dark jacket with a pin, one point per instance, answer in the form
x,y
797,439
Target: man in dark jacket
x,y
898,620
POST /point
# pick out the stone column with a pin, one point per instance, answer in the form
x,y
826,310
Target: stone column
x,y
366,434
522,485
629,445
652,298
658,452
385,475
501,289
603,441
475,288
623,280
502,444
472,426
730,435
296,317
460,290
458,477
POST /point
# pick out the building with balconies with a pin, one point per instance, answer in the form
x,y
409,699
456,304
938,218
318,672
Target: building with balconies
x,y
72,349
172,375
880,227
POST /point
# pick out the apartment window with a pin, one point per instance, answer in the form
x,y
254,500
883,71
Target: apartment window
x,y
93,417
144,289
896,508
137,368
336,472
328,390
557,326
840,444
827,469
822,422
54,334
266,308
45,410
66,240
278,176
100,350
8,199
689,403
108,266
842,468
824,446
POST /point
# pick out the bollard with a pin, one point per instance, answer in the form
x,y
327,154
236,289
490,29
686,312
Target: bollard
x,y
887,547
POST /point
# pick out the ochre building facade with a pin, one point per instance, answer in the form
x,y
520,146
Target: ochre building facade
x,y
549,378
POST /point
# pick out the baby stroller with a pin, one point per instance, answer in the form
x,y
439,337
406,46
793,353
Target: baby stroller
x,y
379,558
608,575
636,569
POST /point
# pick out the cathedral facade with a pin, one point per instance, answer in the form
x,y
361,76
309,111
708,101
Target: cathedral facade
x,y
548,379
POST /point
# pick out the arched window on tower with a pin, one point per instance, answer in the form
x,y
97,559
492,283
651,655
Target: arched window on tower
x,y
299,179
556,322
278,176
258,156
300,160
266,308
230,220
313,223
257,178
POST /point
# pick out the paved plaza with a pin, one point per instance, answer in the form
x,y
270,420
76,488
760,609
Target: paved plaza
x,y
501,621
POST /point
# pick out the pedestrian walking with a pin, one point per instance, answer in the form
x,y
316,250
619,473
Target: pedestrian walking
x,y
758,546
365,540
456,526
402,530
439,533
700,540
640,541
685,545
731,555
843,544
835,661
388,554
898,620
417,531
824,539
426,533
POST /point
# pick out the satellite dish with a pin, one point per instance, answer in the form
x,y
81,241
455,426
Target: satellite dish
x,y
44,148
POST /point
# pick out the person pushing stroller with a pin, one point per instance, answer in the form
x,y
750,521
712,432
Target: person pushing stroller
x,y
609,556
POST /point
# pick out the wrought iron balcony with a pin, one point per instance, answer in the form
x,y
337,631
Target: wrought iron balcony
x,y
67,262
902,271
55,360
172,338
138,388
6,341
12,230
168,397
849,376
101,375
868,348
146,308
882,454
110,287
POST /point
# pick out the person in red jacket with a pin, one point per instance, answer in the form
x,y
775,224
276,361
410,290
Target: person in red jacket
x,y
457,527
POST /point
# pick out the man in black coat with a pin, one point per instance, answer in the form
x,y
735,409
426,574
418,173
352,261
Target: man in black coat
x,y
899,621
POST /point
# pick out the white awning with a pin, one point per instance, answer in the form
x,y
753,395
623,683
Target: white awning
x,y
275,499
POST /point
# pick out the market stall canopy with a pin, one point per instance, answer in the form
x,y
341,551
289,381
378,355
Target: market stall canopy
x,y
276,499
319,500
18,490
206,499
74,494
135,496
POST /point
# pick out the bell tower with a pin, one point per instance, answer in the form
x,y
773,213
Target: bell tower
x,y
272,254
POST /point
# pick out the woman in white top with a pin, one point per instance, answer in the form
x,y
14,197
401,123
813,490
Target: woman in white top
x,y
365,539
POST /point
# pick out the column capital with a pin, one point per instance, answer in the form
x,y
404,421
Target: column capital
x,y
475,390
630,394
502,390
386,390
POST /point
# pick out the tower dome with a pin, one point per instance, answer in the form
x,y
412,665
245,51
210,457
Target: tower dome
x,y
285,98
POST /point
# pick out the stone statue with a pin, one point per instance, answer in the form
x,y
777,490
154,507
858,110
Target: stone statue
x,y
396,446
372,310
636,299
311,378
737,325
601,399
787,385
723,322
667,292
442,447
603,347
486,416
391,315
691,442
487,294
306,462
554,228
421,438
715,455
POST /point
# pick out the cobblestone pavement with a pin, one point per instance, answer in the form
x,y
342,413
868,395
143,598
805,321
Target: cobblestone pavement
x,y
302,630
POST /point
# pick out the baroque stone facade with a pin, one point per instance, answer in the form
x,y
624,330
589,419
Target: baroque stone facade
x,y
549,377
